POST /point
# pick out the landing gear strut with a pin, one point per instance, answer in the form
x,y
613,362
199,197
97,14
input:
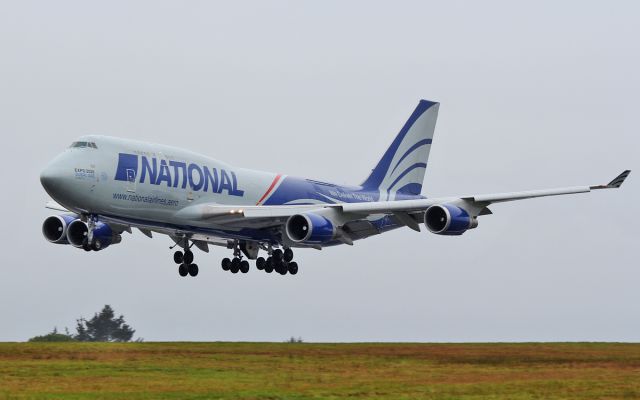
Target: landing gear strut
x,y
90,242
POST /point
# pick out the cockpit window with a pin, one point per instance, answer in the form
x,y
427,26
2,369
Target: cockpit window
x,y
91,145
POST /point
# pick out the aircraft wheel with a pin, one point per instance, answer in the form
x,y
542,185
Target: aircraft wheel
x,y
97,245
235,266
281,268
183,270
277,255
188,257
178,257
293,268
244,266
193,269
260,262
288,255
268,265
226,264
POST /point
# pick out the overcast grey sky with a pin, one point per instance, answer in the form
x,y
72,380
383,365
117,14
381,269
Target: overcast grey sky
x,y
532,95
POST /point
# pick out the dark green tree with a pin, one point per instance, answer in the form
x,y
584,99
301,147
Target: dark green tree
x,y
104,327
81,331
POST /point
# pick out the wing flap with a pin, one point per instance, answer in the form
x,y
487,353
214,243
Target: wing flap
x,y
220,213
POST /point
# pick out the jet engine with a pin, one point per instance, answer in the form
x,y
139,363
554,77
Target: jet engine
x,y
54,228
447,219
103,235
310,228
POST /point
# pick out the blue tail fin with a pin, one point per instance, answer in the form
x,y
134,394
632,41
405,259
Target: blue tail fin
x,y
402,167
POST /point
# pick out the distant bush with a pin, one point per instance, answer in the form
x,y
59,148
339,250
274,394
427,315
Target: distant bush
x,y
54,336
102,327
294,340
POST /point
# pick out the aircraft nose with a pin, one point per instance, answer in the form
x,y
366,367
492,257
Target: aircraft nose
x,y
50,177
61,181
54,177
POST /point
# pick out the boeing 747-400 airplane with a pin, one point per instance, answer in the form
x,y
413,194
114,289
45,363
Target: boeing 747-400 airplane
x,y
106,186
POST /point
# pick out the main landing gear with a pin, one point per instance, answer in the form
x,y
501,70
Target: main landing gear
x,y
185,261
279,261
237,264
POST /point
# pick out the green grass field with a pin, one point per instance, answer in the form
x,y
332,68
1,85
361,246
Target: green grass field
x,y
319,371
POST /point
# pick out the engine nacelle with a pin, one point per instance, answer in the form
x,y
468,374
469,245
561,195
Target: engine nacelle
x,y
54,228
103,235
310,228
447,219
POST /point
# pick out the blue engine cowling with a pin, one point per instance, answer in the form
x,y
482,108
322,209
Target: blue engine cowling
x,y
310,228
447,219
54,228
103,235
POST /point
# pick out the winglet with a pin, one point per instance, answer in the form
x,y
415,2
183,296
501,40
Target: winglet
x,y
615,183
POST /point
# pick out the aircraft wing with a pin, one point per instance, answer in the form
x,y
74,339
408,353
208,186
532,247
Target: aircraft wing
x,y
479,201
264,216
52,205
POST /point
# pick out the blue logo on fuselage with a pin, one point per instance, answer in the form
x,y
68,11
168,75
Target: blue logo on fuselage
x,y
176,173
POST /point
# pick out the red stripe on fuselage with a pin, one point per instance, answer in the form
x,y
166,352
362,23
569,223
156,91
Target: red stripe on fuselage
x,y
273,184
